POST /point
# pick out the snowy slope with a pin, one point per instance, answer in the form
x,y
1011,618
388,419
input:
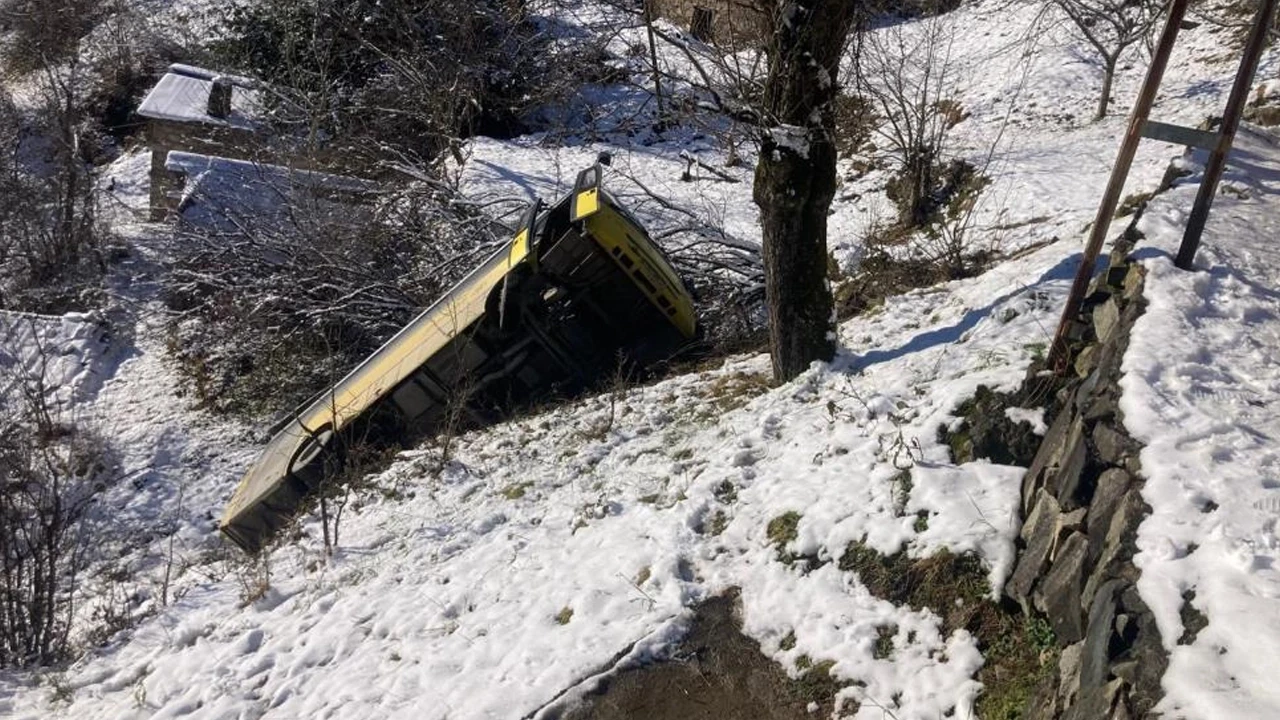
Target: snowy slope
x,y
448,599
545,549
1201,389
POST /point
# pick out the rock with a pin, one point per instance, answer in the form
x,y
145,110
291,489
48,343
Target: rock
x,y
1069,483
1106,318
1133,282
1044,703
1094,703
1133,465
1173,171
1193,621
1073,520
1121,711
1085,360
1128,316
1112,446
1069,673
1049,455
1126,628
1127,670
1039,532
1131,601
1116,274
1265,115
1112,485
1097,640
1068,524
1104,405
1086,389
1110,354
1059,595
1144,663
1117,551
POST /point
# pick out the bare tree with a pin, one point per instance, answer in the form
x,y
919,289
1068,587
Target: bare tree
x,y
50,472
907,74
49,232
43,32
795,178
274,299
1111,27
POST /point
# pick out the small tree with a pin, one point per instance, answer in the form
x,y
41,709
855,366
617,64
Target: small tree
x,y
49,234
50,471
906,74
796,176
1110,27
44,32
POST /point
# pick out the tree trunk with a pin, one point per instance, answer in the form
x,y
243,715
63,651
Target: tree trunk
x,y
795,177
1108,74
653,59
794,192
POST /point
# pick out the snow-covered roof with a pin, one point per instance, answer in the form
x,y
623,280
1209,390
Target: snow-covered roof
x,y
225,195
182,95
193,164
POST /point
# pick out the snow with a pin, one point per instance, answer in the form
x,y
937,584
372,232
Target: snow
x,y
60,355
228,196
182,95
548,551
1200,389
1031,416
792,137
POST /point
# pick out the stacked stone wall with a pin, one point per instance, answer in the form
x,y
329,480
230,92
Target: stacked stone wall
x,y
1082,503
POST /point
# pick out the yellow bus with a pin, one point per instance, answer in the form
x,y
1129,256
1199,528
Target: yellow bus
x,y
580,289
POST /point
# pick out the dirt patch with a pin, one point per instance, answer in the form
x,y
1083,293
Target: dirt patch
x,y
716,673
881,275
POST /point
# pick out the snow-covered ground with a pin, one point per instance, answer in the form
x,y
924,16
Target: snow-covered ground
x,y
547,548
1201,390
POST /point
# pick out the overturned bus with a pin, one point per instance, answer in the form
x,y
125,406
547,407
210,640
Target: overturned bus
x,y
580,289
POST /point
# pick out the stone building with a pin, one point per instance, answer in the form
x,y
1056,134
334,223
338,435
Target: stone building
x,y
199,111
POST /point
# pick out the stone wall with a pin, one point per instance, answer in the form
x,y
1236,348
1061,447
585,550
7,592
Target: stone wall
x,y
165,135
1082,503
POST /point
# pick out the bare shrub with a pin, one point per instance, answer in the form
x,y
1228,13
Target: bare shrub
x,y
44,32
948,243
270,307
365,76
50,472
49,231
907,73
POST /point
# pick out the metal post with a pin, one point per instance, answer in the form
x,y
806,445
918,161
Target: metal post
x,y
1230,123
1119,173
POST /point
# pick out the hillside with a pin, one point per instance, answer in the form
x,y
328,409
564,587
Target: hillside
x,y
508,573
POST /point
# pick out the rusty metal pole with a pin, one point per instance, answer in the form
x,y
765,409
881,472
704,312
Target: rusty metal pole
x,y
1119,173
1230,123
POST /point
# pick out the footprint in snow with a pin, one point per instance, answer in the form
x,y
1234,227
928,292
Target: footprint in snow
x,y
249,642
485,525
771,427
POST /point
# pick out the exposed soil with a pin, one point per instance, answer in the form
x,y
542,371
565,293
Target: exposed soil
x,y
716,673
